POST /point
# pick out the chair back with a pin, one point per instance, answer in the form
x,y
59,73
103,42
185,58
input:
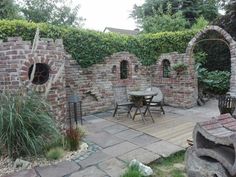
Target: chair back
x,y
159,96
120,94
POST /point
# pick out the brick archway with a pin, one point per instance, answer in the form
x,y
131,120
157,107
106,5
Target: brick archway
x,y
232,48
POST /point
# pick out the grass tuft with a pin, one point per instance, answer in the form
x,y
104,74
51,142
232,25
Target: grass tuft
x,y
55,153
165,166
132,171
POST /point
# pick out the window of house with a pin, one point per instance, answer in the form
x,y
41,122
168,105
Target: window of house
x,y
41,74
166,68
124,70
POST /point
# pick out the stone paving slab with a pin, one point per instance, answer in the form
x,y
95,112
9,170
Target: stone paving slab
x,y
115,128
141,155
24,173
120,149
104,139
89,172
103,114
93,159
90,117
144,140
113,167
98,126
128,134
59,170
163,148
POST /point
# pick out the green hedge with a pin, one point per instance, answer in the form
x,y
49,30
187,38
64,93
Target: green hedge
x,y
89,47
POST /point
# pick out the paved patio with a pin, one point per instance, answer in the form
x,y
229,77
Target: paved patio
x,y
114,142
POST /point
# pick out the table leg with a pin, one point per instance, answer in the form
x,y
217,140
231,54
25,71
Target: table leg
x,y
142,115
135,113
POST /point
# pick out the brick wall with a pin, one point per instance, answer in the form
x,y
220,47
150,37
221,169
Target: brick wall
x,y
94,84
179,90
16,59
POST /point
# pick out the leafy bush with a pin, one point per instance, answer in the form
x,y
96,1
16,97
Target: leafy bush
x,y
200,23
74,137
55,153
25,124
132,171
179,67
90,47
200,57
216,82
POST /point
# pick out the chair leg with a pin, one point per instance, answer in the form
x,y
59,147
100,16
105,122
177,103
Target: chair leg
x,y
129,110
115,110
162,110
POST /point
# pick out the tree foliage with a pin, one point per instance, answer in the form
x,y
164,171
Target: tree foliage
x,y
8,9
166,22
228,21
200,23
191,10
55,12
51,11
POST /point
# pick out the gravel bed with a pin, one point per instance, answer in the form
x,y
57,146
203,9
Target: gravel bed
x,y
7,165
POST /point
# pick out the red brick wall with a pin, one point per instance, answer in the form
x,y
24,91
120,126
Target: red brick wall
x,y
179,90
15,61
95,84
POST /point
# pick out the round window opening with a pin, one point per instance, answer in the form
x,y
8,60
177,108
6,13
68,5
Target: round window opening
x,y
41,74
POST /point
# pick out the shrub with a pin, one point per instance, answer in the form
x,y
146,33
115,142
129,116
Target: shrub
x,y
216,82
132,171
74,137
25,124
89,47
55,153
179,67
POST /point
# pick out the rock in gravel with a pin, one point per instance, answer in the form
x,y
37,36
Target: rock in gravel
x,y
144,169
21,164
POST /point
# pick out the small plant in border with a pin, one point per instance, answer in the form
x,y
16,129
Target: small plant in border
x,y
179,67
55,153
74,137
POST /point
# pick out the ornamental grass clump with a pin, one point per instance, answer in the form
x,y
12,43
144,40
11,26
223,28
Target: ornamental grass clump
x,y
26,125
74,137
55,153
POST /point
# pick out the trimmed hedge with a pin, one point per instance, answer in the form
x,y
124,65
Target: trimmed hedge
x,y
88,47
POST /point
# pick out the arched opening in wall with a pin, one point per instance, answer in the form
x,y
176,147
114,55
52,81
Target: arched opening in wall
x,y
166,68
212,51
213,64
124,69
41,74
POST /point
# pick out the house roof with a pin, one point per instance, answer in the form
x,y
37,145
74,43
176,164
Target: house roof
x,y
121,31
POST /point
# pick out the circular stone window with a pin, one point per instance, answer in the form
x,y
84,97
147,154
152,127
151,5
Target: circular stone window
x,y
41,74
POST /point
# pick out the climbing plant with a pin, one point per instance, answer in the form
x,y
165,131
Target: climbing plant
x,y
88,47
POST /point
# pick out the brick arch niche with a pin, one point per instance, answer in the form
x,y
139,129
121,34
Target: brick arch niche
x,y
232,48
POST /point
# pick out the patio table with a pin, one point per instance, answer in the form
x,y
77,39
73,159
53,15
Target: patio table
x,y
139,97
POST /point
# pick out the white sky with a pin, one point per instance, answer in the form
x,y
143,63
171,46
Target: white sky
x,y
107,13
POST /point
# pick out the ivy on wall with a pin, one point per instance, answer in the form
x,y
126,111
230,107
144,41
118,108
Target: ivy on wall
x,y
88,47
